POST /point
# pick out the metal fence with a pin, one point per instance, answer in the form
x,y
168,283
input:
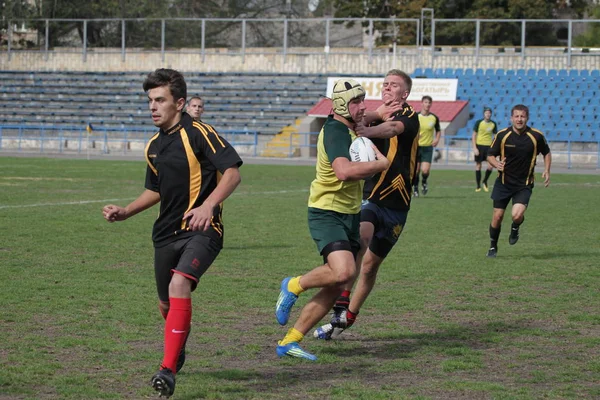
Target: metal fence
x,y
425,39
78,141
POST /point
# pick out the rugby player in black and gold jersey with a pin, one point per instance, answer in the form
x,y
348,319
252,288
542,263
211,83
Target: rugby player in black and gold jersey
x,y
394,129
517,148
191,170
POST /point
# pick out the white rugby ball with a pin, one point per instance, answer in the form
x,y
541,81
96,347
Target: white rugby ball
x,y
361,150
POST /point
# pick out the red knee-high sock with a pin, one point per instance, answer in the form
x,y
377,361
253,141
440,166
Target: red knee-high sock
x,y
177,327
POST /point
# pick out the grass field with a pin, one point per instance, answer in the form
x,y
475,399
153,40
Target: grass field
x,y
79,318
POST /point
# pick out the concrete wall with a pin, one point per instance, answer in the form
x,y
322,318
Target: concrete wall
x,y
270,60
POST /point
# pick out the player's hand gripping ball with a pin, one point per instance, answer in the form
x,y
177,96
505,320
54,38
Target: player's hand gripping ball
x,y
361,150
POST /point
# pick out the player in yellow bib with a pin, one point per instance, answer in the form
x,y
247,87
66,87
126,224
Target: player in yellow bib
x,y
483,134
333,218
429,136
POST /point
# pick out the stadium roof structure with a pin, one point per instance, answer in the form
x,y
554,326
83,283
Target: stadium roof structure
x,y
445,110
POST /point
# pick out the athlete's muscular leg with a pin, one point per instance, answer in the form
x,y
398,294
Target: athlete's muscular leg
x,y
180,286
425,167
366,280
518,213
497,217
338,271
331,277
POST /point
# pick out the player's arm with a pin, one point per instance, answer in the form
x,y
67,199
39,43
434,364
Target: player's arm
x,y
384,130
147,199
438,132
346,170
494,152
370,117
200,217
383,113
474,137
546,173
543,144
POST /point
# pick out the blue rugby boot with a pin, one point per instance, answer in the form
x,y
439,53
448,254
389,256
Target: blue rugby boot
x,y
285,302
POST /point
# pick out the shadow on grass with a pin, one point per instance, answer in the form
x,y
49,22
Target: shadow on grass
x,y
359,354
402,345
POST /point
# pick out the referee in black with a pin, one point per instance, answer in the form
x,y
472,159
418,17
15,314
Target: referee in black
x,y
513,153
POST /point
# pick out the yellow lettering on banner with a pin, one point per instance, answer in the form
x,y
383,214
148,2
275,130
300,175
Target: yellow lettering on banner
x,y
379,86
368,86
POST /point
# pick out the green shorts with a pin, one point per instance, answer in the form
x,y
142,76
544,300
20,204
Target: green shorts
x,y
425,154
328,226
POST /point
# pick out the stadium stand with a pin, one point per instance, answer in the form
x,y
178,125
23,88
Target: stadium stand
x,y
263,103
564,104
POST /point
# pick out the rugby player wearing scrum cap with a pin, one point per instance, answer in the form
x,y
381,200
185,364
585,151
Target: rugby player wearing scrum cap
x,y
333,218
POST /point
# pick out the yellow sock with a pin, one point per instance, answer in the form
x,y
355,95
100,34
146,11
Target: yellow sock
x,y
293,335
294,285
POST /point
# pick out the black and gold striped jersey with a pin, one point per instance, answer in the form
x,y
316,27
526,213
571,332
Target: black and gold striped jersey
x,y
392,187
520,151
185,164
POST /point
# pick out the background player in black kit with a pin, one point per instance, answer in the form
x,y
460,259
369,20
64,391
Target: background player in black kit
x,y
517,148
191,171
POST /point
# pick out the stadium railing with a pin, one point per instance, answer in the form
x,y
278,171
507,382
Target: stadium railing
x,y
78,139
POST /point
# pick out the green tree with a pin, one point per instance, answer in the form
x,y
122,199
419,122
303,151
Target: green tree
x,y
591,37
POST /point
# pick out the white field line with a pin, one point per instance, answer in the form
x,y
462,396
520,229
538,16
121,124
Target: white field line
x,y
107,201
83,202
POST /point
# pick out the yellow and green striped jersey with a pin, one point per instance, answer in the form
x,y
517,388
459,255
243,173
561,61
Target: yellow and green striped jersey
x,y
327,192
429,126
485,132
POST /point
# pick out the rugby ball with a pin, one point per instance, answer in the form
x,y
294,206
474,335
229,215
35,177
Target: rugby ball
x,y
361,150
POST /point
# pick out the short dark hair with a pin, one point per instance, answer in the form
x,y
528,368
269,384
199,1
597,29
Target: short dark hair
x,y
426,97
195,98
520,107
405,77
167,77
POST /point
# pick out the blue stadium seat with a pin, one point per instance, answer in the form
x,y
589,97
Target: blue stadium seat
x,y
458,72
428,72
449,72
521,72
510,72
595,73
531,72
584,73
490,72
573,73
479,72
438,72
563,72
469,72
418,72
552,72
542,73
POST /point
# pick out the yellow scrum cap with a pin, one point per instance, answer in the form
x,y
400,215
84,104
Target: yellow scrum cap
x,y
344,91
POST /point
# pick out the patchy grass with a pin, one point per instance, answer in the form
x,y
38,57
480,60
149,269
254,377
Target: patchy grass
x,y
79,316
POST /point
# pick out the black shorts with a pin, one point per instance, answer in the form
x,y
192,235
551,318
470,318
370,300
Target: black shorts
x,y
483,151
425,154
501,194
190,257
388,223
